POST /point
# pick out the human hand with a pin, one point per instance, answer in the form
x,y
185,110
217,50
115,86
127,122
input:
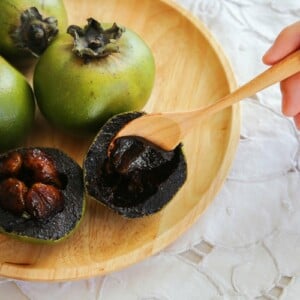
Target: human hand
x,y
287,42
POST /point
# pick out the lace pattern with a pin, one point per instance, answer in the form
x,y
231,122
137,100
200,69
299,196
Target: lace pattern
x,y
247,243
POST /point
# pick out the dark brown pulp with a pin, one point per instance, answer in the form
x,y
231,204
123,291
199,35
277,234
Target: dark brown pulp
x,y
135,168
30,185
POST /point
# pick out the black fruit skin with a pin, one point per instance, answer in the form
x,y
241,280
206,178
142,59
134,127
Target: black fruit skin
x,y
95,179
60,225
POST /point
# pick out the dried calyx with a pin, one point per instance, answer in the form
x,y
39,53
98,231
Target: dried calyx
x,y
93,41
30,185
35,33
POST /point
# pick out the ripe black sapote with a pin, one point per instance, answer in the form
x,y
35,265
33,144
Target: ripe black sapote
x,y
135,178
41,194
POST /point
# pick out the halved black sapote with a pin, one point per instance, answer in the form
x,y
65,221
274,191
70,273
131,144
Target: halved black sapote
x,y
41,194
137,178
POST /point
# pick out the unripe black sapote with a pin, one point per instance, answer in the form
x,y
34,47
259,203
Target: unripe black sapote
x,y
27,27
17,106
89,75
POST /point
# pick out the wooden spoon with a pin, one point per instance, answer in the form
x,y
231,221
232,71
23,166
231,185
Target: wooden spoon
x,y
167,129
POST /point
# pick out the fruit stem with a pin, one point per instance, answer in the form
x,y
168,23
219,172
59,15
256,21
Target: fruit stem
x,y
35,33
93,41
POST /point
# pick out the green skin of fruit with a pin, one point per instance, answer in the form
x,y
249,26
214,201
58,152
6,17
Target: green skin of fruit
x,y
17,106
81,96
10,11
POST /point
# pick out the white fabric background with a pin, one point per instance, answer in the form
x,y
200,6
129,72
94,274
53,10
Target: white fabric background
x,y
247,243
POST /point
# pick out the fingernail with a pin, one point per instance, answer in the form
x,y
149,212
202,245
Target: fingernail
x,y
297,121
266,59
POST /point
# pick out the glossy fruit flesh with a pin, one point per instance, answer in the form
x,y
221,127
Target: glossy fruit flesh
x,y
41,194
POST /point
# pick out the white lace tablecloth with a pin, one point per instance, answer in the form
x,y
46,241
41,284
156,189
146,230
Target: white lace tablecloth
x,y
247,243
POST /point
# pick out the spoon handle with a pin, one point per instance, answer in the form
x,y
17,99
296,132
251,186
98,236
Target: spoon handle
x,y
167,129
287,67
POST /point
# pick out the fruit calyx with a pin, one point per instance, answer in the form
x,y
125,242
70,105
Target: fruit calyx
x,y
93,41
35,33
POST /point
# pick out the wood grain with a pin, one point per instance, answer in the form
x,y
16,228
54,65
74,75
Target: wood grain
x,y
192,71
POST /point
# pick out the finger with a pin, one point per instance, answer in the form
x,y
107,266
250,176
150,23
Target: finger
x,y
297,121
290,89
287,42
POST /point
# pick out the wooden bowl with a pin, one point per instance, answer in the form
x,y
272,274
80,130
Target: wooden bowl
x,y
191,71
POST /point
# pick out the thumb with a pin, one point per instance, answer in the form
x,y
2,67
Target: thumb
x,y
287,42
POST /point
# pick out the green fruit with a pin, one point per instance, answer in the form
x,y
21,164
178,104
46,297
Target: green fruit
x,y
41,194
16,106
137,179
28,26
108,72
